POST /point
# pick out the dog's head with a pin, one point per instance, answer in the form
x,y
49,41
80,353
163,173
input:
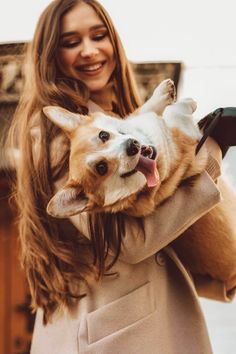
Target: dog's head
x,y
107,163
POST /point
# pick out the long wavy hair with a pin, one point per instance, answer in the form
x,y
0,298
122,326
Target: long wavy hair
x,y
55,257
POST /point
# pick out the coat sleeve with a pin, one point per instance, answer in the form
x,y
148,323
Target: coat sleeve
x,y
169,220
166,223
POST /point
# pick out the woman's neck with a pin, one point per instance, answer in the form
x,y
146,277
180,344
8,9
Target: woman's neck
x,y
105,98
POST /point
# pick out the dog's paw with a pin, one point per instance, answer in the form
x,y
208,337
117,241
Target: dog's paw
x,y
188,105
166,90
163,96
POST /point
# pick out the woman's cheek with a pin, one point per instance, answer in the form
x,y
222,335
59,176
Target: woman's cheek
x,y
66,58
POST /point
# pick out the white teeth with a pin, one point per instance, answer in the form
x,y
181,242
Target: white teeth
x,y
91,67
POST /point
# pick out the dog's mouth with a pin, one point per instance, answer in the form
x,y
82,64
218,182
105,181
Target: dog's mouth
x,y
147,166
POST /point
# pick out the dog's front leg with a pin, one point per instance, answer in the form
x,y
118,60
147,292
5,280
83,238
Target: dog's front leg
x,y
162,96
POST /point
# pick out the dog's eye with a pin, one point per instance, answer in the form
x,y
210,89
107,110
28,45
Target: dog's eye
x,y
104,136
102,168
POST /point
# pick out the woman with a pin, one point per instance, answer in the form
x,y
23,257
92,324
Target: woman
x,y
110,285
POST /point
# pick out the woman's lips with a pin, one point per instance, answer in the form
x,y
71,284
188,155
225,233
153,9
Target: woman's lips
x,y
91,69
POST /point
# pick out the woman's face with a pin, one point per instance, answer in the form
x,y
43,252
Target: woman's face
x,y
85,51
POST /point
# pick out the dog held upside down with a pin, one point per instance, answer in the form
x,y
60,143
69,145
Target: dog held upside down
x,y
135,164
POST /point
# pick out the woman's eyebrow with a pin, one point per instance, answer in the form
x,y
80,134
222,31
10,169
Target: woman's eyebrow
x,y
92,28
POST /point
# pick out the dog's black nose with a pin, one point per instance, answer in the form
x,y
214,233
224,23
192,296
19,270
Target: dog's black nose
x,y
132,147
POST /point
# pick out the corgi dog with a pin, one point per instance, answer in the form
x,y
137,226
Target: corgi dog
x,y
131,164
134,164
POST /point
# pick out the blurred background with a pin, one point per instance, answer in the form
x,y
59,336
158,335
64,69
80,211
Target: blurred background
x,y
192,42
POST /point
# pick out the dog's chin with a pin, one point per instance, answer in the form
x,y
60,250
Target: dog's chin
x,y
138,179
119,189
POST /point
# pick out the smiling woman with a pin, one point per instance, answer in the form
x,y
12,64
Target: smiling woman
x,y
83,281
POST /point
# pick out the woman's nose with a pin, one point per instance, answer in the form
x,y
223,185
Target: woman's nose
x,y
88,49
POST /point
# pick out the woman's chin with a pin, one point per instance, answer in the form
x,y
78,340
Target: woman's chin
x,y
96,86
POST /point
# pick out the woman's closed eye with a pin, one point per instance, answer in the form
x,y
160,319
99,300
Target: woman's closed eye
x,y
70,44
99,36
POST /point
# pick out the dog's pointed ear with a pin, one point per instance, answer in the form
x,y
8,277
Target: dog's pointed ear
x,y
68,201
63,118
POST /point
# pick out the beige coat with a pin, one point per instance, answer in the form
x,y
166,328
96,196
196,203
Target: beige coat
x,y
151,306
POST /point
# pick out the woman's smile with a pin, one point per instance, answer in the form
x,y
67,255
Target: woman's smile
x,y
91,69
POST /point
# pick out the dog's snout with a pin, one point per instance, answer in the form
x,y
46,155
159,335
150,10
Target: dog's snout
x,y
132,147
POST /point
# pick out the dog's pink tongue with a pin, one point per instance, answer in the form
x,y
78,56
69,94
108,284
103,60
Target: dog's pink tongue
x,y
149,169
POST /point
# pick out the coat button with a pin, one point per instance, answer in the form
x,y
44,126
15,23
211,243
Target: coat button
x,y
160,258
